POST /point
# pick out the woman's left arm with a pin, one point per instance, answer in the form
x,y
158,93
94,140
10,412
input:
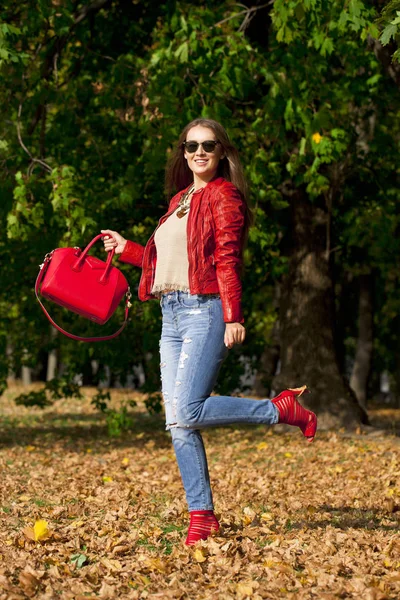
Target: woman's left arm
x,y
229,217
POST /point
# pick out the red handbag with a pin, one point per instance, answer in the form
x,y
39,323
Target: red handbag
x,y
85,285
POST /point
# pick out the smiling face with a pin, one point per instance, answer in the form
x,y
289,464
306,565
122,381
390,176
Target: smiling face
x,y
203,164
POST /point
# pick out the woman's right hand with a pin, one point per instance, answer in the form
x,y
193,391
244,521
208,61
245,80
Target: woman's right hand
x,y
112,239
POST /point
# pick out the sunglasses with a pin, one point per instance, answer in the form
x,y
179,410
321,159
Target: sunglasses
x,y
208,146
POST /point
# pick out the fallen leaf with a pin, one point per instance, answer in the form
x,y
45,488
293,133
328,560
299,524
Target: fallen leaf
x,y
121,549
29,583
262,446
246,589
267,517
156,564
199,555
40,531
112,564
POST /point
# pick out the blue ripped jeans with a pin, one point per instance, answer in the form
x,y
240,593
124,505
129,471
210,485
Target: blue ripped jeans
x,y
192,350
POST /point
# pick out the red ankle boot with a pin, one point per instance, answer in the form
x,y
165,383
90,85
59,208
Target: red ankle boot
x,y
292,413
202,524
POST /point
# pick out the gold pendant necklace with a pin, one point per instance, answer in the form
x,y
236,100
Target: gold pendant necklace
x,y
184,203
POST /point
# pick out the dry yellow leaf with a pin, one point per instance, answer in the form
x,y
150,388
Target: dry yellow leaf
x,y
249,512
38,532
112,564
262,446
30,448
387,562
267,517
156,564
107,479
269,564
41,530
288,454
125,461
77,524
244,590
226,546
157,531
247,520
199,555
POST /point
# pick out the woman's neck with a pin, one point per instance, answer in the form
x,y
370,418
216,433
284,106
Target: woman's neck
x,y
199,183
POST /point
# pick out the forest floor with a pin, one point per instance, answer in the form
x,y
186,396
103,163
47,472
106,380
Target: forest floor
x,y
299,521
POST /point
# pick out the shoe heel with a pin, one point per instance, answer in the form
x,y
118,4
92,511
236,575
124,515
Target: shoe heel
x,y
301,390
311,428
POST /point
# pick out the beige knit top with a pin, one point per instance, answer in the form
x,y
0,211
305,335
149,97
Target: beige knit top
x,y
172,266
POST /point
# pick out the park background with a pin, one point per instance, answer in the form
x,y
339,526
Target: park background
x,y
93,98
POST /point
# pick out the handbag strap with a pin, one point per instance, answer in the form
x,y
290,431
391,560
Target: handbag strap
x,y
78,264
104,338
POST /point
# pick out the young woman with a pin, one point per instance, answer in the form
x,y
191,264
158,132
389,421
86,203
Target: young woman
x,y
192,263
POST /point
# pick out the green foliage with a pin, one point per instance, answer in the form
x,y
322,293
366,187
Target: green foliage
x,y
55,389
153,403
79,560
119,421
92,106
100,400
8,54
389,23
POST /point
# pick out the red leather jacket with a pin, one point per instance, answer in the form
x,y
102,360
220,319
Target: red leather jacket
x,y
215,230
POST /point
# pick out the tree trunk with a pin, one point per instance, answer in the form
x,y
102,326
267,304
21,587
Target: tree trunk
x,y
26,375
363,357
268,365
396,373
308,354
9,354
52,358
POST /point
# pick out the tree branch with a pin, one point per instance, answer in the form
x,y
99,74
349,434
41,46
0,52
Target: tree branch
x,y
86,10
247,14
33,159
50,63
384,55
49,66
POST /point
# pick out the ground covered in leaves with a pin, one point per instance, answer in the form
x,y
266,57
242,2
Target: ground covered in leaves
x,y
298,521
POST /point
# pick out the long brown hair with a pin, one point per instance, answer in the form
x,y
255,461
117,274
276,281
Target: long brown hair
x,y
178,175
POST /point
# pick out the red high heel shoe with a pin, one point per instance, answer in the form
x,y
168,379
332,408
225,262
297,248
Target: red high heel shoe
x,y
292,413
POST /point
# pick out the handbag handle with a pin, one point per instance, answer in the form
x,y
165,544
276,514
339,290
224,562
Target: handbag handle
x,y
104,338
77,266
